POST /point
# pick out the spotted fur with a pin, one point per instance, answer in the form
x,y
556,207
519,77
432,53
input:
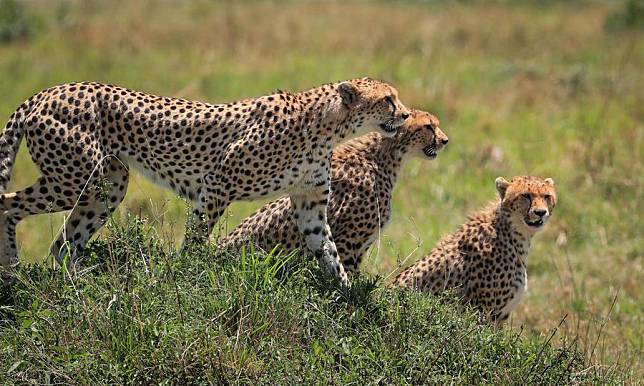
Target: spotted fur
x,y
485,260
84,137
363,176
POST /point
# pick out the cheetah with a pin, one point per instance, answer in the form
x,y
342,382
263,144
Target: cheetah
x,y
363,175
84,137
485,260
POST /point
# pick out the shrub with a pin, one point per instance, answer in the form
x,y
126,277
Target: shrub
x,y
14,22
630,16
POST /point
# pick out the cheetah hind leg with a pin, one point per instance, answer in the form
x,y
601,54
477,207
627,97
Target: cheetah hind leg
x,y
40,198
90,215
8,256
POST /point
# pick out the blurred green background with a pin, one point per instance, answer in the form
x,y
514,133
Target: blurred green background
x,y
548,88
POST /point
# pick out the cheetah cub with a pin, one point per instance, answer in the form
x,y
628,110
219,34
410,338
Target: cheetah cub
x,y
363,175
485,260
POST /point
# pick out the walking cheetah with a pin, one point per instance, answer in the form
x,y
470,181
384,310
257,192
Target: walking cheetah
x,y
212,154
363,176
485,260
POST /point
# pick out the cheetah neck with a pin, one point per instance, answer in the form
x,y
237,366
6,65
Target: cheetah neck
x,y
385,153
323,104
507,233
391,154
396,150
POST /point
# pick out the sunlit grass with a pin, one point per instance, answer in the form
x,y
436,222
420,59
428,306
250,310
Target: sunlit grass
x,y
143,314
519,90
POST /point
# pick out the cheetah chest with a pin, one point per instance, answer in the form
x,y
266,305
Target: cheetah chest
x,y
519,288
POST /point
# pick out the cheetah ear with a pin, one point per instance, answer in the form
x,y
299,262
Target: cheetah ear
x,y
549,181
349,94
501,186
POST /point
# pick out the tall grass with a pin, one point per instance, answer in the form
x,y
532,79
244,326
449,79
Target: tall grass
x,y
520,89
142,314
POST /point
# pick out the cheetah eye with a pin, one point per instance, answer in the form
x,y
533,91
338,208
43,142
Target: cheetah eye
x,y
551,200
431,127
390,101
527,196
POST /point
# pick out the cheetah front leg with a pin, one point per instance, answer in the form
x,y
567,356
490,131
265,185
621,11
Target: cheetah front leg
x,y
210,206
36,199
309,213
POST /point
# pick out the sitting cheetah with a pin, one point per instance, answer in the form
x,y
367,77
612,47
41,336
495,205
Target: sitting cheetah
x,y
84,133
363,175
485,259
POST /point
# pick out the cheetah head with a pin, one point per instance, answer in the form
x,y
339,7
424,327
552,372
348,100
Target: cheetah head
x,y
422,133
528,200
372,104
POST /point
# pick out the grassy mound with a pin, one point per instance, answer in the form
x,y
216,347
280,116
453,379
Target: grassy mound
x,y
549,88
143,315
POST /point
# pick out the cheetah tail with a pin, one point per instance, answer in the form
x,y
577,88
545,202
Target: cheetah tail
x,y
10,140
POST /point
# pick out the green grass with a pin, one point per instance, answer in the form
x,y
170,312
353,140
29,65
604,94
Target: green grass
x,y
145,315
520,89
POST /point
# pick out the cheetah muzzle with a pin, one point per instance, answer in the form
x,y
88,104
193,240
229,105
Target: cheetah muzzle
x,y
391,126
430,151
538,223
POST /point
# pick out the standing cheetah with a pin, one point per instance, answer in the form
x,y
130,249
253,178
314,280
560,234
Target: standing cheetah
x,y
485,259
81,134
363,175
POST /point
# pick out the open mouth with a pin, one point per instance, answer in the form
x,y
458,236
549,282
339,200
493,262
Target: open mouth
x,y
430,152
391,126
534,224
388,128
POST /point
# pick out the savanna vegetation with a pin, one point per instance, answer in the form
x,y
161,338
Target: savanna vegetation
x,y
546,88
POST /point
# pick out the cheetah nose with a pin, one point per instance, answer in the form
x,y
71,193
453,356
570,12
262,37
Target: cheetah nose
x,y
444,141
540,212
404,115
